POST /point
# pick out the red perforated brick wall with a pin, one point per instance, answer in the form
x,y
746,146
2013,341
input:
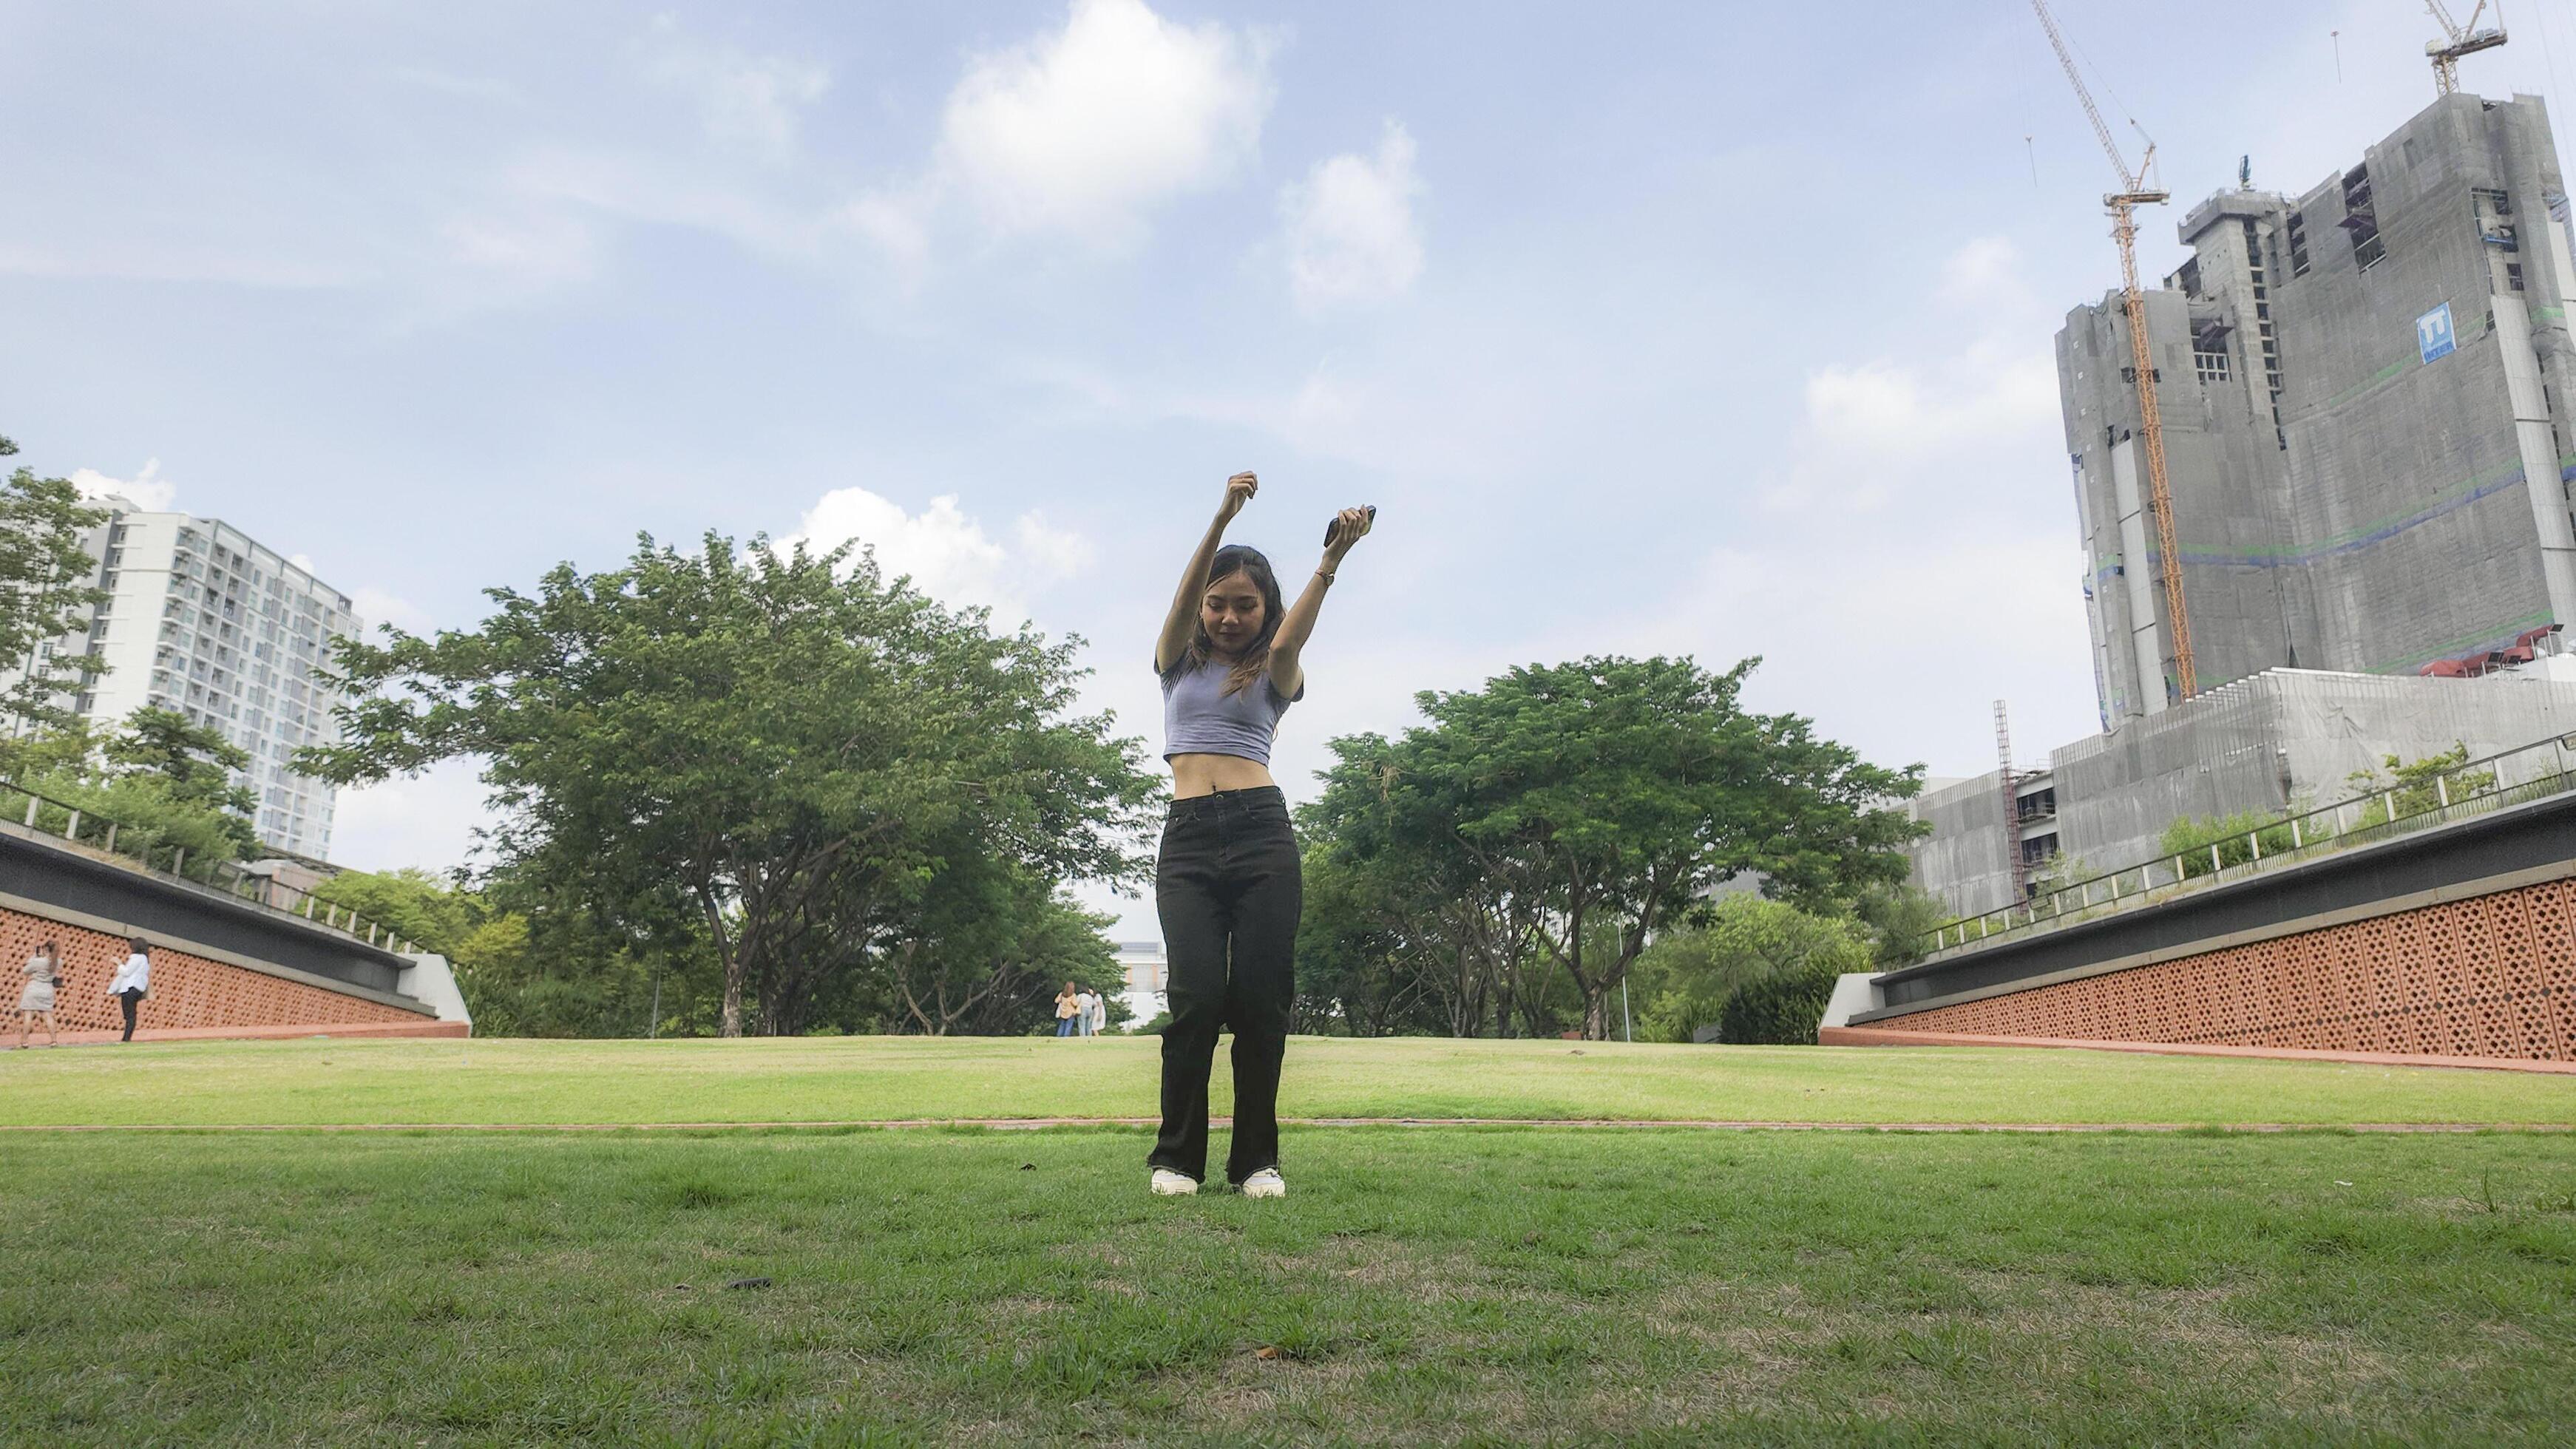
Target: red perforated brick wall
x,y
2493,976
187,991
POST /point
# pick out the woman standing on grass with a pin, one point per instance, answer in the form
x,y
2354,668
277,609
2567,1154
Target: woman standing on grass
x,y
1067,1002
1227,885
44,973
133,982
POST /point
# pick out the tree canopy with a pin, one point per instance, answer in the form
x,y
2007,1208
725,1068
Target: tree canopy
x,y
1548,825
810,760
44,593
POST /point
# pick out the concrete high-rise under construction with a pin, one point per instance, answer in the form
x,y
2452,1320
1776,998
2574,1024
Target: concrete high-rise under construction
x,y
2365,392
2366,396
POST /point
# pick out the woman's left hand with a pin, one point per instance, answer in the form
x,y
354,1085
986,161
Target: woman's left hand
x,y
1347,528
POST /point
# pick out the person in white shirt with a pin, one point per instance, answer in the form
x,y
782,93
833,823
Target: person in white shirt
x,y
132,982
1099,1014
1087,1010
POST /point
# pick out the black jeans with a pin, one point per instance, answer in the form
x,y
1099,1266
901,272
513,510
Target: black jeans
x,y
1228,889
126,999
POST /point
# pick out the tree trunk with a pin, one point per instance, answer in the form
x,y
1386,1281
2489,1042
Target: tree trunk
x,y
727,952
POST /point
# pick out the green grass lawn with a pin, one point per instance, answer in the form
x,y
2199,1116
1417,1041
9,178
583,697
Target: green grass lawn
x,y
1459,1285
1427,1284
881,1078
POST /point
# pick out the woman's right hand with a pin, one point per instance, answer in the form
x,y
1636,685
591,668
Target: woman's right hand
x,y
1238,492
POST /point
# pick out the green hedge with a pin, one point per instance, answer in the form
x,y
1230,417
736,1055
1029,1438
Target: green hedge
x,y
1781,1010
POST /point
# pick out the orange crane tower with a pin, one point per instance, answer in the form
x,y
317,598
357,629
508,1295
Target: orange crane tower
x,y
2134,192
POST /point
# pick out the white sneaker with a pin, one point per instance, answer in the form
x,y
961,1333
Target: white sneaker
x,y
1265,1183
1168,1183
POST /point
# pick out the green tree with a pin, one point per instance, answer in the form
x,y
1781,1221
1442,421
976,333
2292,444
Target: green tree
x,y
49,749
1374,957
435,915
1618,792
987,950
1900,916
152,827
163,781
781,743
44,594
192,764
1411,904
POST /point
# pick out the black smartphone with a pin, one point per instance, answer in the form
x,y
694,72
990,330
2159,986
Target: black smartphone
x,y
1335,526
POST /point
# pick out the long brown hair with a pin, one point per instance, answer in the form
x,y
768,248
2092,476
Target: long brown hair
x,y
1236,558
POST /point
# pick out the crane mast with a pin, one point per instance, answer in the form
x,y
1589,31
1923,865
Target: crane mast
x,y
2122,204
2013,865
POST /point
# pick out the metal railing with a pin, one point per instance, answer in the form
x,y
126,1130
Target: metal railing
x,y
158,856
2528,772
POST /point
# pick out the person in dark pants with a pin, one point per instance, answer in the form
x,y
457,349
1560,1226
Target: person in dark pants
x,y
132,982
1226,883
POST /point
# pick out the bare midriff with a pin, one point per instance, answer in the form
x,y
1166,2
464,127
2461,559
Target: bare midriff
x,y
1196,775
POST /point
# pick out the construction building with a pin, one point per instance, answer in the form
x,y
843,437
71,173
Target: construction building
x,y
2365,402
2365,392
2286,740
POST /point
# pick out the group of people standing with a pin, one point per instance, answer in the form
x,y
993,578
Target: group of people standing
x,y
1080,1011
44,978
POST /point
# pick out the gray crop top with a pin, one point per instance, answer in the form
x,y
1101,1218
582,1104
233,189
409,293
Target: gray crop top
x,y
1200,718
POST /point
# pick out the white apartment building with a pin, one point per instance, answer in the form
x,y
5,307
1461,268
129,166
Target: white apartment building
x,y
1148,971
203,620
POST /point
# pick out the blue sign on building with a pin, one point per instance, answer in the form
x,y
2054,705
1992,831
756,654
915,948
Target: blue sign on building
x,y
2433,333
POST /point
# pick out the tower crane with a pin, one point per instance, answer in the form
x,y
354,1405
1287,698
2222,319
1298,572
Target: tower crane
x,y
2465,40
2133,193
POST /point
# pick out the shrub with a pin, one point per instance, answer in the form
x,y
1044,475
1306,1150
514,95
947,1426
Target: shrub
x,y
2191,840
1683,980
1779,1010
2414,788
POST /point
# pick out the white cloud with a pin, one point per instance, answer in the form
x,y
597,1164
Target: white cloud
x,y
427,821
536,246
375,606
1351,233
146,490
948,554
1875,429
747,101
1084,132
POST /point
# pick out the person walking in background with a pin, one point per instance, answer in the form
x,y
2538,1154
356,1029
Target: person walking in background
x,y
1087,1010
1099,1013
1067,1003
1226,881
133,982
44,975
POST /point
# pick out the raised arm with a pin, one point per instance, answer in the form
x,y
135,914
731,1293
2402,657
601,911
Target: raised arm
x,y
1286,674
1181,625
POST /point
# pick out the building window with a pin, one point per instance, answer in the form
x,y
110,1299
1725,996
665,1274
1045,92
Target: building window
x,y
2513,275
2211,366
2298,245
2361,220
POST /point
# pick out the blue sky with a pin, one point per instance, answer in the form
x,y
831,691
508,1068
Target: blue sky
x,y
1719,330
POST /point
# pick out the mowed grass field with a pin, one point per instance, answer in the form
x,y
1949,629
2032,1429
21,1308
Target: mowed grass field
x,y
1468,1285
873,1079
